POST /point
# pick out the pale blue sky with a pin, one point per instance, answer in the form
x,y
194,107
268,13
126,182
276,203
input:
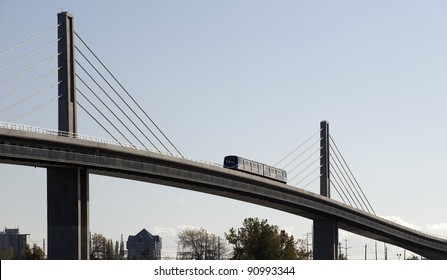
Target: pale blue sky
x,y
255,78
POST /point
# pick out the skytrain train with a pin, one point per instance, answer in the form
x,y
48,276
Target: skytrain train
x,y
256,168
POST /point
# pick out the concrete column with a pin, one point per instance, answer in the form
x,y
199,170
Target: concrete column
x,y
67,213
325,237
67,117
325,240
325,189
67,188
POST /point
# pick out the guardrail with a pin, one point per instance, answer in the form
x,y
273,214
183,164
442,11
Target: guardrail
x,y
46,131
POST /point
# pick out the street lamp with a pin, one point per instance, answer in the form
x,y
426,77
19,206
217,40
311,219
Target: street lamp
x,y
398,256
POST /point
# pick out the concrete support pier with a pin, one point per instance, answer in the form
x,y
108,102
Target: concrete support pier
x,y
67,187
325,232
68,214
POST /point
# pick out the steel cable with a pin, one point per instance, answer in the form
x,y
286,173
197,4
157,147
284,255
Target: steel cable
x,y
29,83
29,40
111,99
350,184
302,153
85,110
128,94
105,117
29,69
28,55
336,189
336,181
111,111
305,160
310,173
307,167
294,150
349,193
122,99
35,108
335,145
28,98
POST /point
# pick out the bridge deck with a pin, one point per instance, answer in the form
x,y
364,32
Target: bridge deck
x,y
46,150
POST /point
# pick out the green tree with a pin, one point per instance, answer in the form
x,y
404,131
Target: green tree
x,y
110,253
303,251
102,248
117,254
97,246
6,254
34,253
257,240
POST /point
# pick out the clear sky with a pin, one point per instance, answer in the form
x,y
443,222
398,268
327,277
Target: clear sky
x,y
253,78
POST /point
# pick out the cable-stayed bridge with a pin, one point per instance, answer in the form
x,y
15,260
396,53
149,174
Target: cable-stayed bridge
x,y
149,155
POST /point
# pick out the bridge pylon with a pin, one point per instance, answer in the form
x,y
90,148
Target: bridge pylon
x,y
67,187
325,231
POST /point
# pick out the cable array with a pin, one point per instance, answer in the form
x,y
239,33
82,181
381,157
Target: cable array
x,y
303,169
28,75
112,107
344,181
303,163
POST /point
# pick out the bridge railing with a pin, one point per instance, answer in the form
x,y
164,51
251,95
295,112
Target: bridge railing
x,y
47,131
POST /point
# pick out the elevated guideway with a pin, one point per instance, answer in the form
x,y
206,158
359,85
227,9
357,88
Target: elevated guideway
x,y
49,150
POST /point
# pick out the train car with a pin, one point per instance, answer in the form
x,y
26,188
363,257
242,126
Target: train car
x,y
256,168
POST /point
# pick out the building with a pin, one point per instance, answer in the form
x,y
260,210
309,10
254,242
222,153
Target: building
x,y
12,240
144,246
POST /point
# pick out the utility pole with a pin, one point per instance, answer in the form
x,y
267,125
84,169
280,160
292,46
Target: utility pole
x,y
339,249
386,252
346,248
376,250
366,251
307,245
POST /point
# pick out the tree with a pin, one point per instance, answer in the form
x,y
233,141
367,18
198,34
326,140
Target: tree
x,y
303,251
6,254
110,253
34,253
257,240
117,254
97,246
198,244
